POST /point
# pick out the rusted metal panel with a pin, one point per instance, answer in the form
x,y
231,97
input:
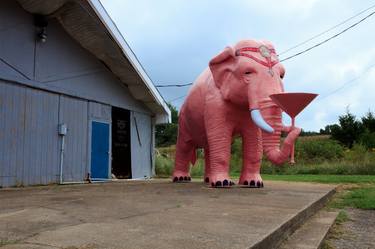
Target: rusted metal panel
x,y
141,142
74,113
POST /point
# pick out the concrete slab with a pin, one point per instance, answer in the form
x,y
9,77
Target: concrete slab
x,y
155,214
312,233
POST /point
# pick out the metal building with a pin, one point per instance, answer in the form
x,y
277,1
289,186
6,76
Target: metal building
x,y
74,100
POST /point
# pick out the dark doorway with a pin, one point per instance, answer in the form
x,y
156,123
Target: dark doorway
x,y
121,163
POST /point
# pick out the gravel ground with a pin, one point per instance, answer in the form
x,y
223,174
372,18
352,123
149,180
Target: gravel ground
x,y
356,233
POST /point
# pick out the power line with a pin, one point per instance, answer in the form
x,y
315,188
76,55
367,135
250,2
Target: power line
x,y
326,31
328,39
304,51
325,96
172,100
174,85
347,83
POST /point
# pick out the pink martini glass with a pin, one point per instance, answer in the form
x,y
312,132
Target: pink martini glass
x,y
293,104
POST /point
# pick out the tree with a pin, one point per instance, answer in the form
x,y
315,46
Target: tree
x,y
328,129
367,138
368,122
349,130
166,134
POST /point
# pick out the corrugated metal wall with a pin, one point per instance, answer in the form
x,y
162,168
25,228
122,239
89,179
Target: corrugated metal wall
x,y
41,141
12,110
29,118
28,133
74,113
141,136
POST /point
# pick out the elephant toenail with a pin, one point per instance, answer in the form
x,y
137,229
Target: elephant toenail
x,y
207,180
189,178
252,183
185,178
261,185
212,184
231,183
225,182
258,184
218,184
181,178
175,179
245,183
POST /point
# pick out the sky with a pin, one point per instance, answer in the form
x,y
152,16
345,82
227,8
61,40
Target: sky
x,y
175,39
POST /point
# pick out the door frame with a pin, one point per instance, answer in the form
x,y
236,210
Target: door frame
x,y
109,148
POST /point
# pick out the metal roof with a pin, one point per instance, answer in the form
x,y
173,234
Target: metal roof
x,y
91,26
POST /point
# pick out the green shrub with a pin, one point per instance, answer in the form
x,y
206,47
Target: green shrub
x,y
313,156
163,166
318,151
368,140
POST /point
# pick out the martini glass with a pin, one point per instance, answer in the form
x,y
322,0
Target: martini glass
x,y
293,104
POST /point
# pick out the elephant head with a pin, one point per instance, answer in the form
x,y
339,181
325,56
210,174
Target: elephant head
x,y
247,75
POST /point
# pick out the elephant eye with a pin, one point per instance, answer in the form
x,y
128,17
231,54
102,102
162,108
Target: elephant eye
x,y
282,76
247,72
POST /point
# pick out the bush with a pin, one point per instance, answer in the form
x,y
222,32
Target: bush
x,y
163,166
318,151
320,155
368,140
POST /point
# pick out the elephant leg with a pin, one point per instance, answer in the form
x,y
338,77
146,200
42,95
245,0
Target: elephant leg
x,y
219,144
206,165
185,153
252,157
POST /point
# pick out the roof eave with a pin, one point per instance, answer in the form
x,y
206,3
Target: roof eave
x,y
127,51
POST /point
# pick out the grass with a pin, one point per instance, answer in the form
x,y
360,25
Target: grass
x,y
319,159
336,179
342,217
362,197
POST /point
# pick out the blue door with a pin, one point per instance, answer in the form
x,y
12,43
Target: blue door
x,y
99,150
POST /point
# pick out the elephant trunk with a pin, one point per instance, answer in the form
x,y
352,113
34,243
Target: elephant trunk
x,y
271,141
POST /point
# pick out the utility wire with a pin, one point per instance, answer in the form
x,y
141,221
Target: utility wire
x,y
172,100
327,95
175,85
326,31
328,39
303,51
368,69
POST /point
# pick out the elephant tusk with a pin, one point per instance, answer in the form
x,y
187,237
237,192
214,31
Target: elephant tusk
x,y
260,122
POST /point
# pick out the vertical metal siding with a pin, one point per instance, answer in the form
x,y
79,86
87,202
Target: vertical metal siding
x,y
74,113
41,140
99,111
28,136
12,111
141,148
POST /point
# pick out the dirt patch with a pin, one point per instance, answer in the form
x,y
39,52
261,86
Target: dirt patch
x,y
356,233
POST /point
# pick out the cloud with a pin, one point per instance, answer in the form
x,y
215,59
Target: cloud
x,y
175,39
276,9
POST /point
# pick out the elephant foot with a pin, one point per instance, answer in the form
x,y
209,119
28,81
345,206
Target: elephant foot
x,y
220,181
206,179
251,180
181,177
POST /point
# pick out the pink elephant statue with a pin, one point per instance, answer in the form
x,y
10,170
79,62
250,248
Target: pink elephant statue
x,y
231,98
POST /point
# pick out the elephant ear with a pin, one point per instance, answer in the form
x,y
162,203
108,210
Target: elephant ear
x,y
222,66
